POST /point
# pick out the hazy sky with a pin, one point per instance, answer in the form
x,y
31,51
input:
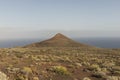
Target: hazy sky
x,y
78,18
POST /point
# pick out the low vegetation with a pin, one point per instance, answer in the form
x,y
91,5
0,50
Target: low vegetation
x,y
59,63
60,70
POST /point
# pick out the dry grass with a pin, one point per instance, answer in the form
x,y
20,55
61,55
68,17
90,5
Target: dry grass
x,y
53,63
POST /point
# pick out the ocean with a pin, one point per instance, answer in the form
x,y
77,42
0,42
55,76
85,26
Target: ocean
x,y
101,42
98,42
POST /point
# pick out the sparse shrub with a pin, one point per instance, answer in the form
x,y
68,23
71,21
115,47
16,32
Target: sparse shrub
x,y
12,69
94,67
86,63
113,78
26,70
18,55
78,64
60,70
20,78
116,72
104,70
106,64
116,68
99,75
24,73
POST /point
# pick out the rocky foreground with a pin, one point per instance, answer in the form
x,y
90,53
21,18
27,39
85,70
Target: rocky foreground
x,y
59,63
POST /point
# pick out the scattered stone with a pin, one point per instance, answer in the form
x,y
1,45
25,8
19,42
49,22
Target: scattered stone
x,y
86,78
3,76
35,78
78,64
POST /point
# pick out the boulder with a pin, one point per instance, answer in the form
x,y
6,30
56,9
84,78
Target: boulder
x,y
3,76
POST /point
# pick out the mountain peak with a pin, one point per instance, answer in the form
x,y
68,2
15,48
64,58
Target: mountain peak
x,y
60,36
59,40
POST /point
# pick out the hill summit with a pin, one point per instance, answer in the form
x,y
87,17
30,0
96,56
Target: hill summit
x,y
59,36
59,40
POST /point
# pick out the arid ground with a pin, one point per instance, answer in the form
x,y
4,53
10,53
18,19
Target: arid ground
x,y
65,60
52,63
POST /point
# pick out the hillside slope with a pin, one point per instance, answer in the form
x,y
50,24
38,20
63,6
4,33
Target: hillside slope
x,y
59,40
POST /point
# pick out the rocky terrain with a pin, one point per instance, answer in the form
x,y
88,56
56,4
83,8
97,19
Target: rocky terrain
x,y
59,58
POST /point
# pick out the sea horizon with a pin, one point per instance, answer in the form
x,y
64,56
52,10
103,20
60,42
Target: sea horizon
x,y
102,42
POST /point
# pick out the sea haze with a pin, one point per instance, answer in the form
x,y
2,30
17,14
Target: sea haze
x,y
98,42
101,42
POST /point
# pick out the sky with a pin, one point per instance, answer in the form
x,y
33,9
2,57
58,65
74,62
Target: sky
x,y
75,18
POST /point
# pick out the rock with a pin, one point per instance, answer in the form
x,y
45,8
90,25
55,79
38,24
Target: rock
x,y
3,76
35,78
78,64
86,78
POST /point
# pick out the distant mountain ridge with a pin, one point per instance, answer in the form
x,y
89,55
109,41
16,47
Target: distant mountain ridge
x,y
59,40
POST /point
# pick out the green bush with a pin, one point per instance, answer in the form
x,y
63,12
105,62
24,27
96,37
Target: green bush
x,y
60,70
94,67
